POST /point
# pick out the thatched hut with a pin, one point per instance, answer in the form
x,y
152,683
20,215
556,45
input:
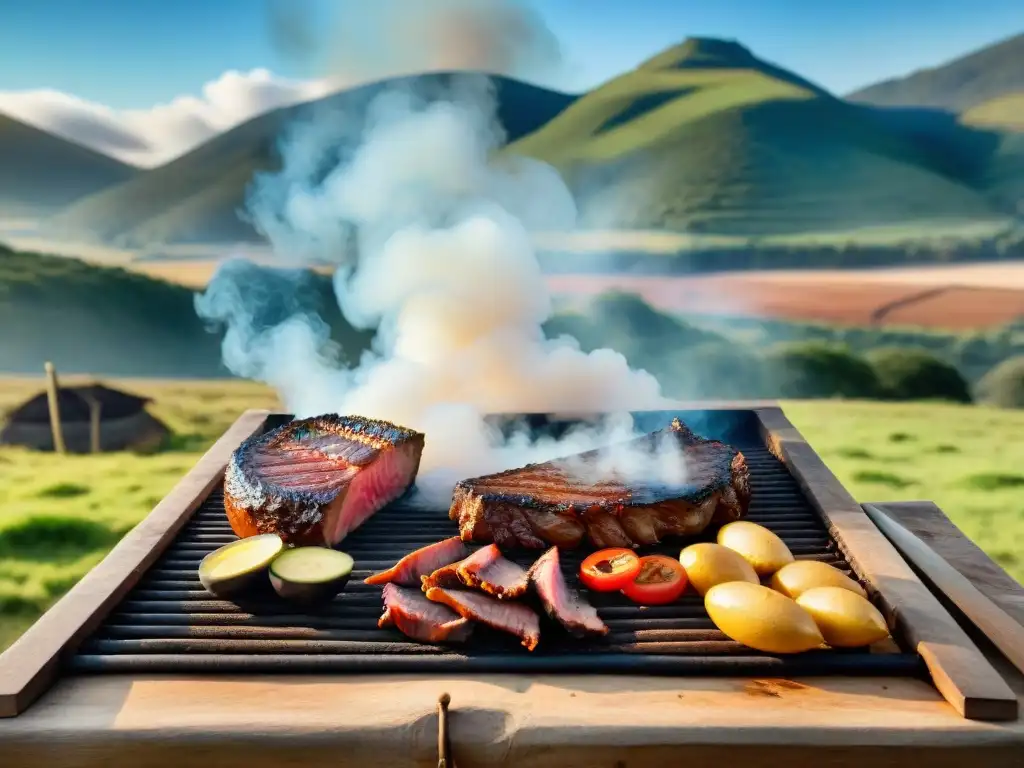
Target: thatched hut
x,y
123,421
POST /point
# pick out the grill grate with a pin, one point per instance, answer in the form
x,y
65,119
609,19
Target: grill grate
x,y
168,623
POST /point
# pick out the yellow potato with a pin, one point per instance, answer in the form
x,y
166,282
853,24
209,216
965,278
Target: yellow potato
x,y
708,564
757,545
796,578
761,618
846,619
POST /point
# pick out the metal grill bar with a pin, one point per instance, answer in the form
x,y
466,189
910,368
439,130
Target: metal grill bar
x,y
168,623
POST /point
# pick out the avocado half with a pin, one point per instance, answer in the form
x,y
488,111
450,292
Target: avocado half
x,y
310,575
240,565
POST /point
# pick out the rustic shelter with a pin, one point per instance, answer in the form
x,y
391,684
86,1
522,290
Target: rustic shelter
x,y
123,422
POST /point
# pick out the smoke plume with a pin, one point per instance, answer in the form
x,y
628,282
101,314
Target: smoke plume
x,y
430,234
357,41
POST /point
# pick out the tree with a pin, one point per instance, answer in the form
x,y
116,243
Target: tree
x,y
909,373
1004,384
819,369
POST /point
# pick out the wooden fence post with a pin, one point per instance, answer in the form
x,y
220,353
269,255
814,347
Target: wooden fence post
x,y
95,409
52,389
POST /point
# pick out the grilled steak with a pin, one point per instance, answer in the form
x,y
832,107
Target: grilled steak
x,y
514,618
408,571
313,481
562,603
614,505
417,617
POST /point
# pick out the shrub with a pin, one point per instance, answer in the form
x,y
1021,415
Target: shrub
x,y
907,373
819,369
1004,384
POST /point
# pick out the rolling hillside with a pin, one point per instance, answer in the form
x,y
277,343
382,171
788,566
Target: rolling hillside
x,y
703,138
958,85
197,197
1006,111
94,319
707,138
40,172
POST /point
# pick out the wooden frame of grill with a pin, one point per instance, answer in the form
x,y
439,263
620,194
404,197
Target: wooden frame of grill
x,y
958,669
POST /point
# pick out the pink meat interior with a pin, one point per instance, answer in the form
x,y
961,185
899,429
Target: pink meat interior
x,y
373,487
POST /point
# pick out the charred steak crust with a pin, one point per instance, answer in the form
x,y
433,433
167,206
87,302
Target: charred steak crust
x,y
518,508
256,504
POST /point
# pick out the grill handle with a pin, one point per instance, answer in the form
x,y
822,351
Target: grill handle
x,y
444,746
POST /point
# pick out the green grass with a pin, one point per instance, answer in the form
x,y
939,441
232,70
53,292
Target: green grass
x,y
60,515
967,459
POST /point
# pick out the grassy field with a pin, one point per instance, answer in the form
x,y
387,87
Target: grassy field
x,y
58,516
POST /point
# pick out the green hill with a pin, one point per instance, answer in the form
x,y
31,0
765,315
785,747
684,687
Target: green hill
x,y
106,320
707,138
703,138
957,85
40,172
198,197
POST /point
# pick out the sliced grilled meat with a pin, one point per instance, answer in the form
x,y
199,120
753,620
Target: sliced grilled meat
x,y
414,616
446,576
515,618
409,571
561,501
487,569
314,481
561,602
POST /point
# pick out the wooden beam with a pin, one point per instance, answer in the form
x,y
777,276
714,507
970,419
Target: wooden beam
x,y
958,668
31,665
1004,632
52,391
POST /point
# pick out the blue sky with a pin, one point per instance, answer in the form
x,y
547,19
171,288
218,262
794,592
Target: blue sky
x,y
134,53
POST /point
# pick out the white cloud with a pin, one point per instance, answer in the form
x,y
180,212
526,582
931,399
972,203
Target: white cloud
x,y
149,137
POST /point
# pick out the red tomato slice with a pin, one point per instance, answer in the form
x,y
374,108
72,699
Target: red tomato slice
x,y
660,580
609,570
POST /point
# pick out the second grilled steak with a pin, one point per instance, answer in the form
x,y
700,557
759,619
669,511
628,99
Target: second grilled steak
x,y
562,501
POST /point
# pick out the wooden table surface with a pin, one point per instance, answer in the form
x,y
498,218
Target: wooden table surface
x,y
537,721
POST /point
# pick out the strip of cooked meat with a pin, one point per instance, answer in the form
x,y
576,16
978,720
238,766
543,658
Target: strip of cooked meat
x,y
410,569
515,618
489,570
562,603
419,618
446,576
613,505
314,481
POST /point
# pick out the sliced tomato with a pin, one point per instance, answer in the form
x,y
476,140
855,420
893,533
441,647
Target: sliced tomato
x,y
609,570
660,580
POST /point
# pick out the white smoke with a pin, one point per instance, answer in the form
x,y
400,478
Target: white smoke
x,y
363,41
431,235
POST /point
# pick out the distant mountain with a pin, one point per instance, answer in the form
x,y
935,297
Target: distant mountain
x,y
197,197
958,85
40,172
706,137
